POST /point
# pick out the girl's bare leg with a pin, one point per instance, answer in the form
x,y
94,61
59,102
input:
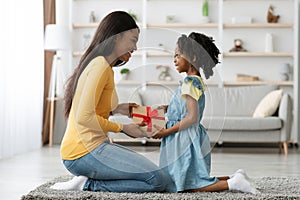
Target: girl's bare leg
x,y
239,171
218,186
237,183
223,178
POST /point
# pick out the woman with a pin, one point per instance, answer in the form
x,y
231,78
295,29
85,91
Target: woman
x,y
90,98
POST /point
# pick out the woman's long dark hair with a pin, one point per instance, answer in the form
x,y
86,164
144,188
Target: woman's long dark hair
x,y
101,45
200,51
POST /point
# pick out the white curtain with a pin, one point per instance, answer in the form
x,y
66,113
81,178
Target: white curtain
x,y
21,76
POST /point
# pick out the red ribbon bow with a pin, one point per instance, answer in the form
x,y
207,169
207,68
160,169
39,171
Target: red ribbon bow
x,y
150,114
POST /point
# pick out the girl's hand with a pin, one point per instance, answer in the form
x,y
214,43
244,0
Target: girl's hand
x,y
160,133
125,108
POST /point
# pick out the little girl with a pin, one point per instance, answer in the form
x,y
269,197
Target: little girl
x,y
185,146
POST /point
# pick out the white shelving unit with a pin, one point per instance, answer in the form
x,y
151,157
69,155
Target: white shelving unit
x,y
219,27
259,25
252,83
182,25
258,54
152,15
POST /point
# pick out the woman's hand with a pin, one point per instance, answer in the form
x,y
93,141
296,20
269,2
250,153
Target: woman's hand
x,y
164,107
125,108
133,130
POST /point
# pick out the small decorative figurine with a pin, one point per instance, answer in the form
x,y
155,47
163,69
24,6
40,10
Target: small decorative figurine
x,y
237,46
171,19
93,17
271,18
164,74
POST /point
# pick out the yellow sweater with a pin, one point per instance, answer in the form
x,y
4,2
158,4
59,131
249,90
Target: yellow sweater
x,y
88,122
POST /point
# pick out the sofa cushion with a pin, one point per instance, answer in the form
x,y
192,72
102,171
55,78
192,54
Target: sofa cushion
x,y
128,95
123,119
155,95
269,104
234,101
241,123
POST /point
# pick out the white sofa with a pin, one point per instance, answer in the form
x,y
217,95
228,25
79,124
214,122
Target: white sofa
x,y
228,113
228,116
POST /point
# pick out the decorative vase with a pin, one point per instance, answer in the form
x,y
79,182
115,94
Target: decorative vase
x,y
205,8
205,18
269,43
125,76
284,77
285,71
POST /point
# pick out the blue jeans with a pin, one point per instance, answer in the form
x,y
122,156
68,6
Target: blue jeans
x,y
114,168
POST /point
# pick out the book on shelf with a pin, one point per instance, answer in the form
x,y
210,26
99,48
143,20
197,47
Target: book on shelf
x,y
245,77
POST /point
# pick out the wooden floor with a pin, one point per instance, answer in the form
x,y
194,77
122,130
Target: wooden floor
x,y
23,173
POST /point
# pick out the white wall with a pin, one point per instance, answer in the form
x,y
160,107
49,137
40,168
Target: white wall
x,y
22,76
297,73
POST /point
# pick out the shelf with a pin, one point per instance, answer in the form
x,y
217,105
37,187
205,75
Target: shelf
x,y
80,53
77,53
253,54
279,83
227,54
86,25
181,25
91,25
252,83
147,83
55,99
258,25
128,82
209,83
159,54
148,54
138,140
207,25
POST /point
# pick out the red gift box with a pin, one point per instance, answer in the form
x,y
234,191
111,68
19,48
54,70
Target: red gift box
x,y
149,116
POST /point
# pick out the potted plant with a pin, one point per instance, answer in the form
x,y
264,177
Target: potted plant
x,y
133,15
205,18
124,72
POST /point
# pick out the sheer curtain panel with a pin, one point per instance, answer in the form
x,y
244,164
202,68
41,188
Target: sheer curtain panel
x,y
22,76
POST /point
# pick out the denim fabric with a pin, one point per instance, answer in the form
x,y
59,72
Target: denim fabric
x,y
114,168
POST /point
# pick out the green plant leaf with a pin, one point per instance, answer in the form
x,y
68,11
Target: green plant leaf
x,y
125,71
